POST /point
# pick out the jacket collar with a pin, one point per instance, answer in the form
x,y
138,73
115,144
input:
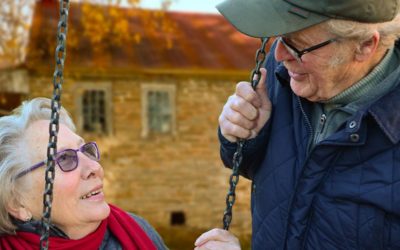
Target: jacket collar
x,y
385,111
35,226
282,74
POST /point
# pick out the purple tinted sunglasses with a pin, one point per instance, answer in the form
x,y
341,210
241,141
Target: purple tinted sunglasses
x,y
68,159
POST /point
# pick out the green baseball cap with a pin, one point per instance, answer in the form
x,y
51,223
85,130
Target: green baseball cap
x,y
267,18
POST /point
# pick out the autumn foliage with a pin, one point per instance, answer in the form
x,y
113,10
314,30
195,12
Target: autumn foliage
x,y
102,23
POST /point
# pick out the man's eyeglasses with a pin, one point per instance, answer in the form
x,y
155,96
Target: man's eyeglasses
x,y
299,53
68,159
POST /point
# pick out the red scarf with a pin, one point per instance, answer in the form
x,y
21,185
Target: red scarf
x,y
130,235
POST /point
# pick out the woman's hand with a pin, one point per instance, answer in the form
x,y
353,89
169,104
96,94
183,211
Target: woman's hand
x,y
246,111
217,239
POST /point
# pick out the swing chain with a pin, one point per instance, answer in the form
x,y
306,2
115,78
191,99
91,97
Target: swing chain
x,y
238,156
58,78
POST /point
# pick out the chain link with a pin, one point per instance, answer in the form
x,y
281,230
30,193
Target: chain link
x,y
58,78
238,156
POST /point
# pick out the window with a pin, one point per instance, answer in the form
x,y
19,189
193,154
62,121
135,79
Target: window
x,y
94,108
178,218
9,101
158,109
14,88
94,111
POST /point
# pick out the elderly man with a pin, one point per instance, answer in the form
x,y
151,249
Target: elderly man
x,y
323,124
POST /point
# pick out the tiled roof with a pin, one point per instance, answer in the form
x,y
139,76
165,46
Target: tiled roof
x,y
193,42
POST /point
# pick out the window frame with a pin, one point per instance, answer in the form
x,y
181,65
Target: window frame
x,y
170,89
98,86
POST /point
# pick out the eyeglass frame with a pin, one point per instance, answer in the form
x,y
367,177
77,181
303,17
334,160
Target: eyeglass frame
x,y
297,54
80,149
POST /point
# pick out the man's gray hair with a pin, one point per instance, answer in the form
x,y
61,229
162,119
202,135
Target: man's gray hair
x,y
389,31
13,150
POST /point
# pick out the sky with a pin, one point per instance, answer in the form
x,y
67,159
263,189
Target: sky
x,y
207,6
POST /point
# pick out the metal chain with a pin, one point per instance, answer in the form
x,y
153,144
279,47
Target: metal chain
x,y
58,78
238,156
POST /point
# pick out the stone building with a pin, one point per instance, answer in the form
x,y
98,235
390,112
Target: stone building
x,y
152,105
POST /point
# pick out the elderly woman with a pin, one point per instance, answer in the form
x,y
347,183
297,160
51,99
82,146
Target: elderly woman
x,y
81,218
323,124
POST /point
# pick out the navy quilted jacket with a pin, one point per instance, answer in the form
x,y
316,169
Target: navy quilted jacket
x,y
344,194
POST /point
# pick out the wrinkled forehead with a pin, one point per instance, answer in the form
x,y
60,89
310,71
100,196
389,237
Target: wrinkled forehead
x,y
36,139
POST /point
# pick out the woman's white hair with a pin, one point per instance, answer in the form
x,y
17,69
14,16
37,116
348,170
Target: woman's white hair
x,y
12,160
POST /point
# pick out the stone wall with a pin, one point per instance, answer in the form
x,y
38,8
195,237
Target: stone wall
x,y
158,175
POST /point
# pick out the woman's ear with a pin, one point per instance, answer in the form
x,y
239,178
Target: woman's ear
x,y
18,211
366,49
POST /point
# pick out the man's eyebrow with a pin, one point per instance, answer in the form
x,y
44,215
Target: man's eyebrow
x,y
296,40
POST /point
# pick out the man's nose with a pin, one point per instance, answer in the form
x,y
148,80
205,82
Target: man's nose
x,y
282,53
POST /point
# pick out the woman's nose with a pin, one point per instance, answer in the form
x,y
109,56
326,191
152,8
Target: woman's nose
x,y
282,54
89,166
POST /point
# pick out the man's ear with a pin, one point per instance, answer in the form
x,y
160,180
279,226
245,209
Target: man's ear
x,y
366,49
18,211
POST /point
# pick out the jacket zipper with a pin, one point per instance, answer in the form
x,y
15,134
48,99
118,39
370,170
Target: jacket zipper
x,y
310,130
320,131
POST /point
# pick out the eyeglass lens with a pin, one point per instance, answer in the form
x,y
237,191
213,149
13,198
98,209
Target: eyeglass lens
x,y
67,160
91,151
